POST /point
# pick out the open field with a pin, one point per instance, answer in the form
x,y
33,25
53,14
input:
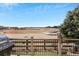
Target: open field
x,y
40,30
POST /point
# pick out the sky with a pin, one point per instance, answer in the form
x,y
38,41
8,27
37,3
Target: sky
x,y
34,14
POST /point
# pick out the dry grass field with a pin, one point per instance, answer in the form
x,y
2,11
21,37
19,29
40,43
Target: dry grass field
x,y
40,30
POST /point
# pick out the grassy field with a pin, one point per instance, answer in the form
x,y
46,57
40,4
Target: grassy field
x,y
29,30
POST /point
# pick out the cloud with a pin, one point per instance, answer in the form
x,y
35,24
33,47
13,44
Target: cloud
x,y
43,7
59,6
46,7
8,6
40,8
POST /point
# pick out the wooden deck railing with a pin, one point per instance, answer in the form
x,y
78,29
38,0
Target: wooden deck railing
x,y
52,47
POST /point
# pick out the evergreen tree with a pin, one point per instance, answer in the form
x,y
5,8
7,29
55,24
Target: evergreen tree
x,y
70,27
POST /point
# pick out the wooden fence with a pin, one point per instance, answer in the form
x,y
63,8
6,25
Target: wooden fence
x,y
46,47
34,47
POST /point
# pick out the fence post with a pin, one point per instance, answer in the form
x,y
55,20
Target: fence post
x,y
26,44
32,46
59,44
44,45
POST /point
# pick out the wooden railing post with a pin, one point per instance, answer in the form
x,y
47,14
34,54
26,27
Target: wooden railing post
x,y
32,51
44,45
26,44
59,44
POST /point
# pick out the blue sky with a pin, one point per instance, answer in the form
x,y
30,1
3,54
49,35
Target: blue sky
x,y
33,14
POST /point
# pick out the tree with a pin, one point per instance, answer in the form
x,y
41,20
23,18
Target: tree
x,y
70,27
